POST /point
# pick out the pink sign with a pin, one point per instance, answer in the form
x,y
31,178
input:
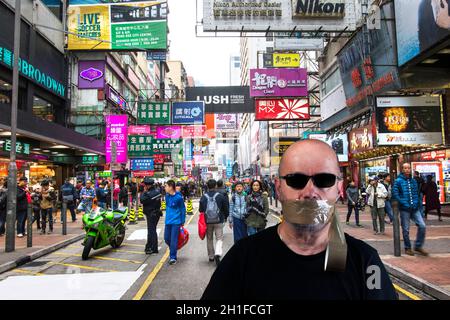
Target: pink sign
x,y
196,131
168,132
279,82
116,130
133,130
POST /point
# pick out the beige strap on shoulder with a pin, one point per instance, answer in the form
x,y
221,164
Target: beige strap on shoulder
x,y
336,254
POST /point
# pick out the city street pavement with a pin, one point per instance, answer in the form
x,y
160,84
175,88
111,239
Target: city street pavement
x,y
432,272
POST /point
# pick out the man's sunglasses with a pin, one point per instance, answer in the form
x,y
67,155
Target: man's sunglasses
x,y
299,180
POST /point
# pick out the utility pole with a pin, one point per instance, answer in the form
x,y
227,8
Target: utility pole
x,y
12,170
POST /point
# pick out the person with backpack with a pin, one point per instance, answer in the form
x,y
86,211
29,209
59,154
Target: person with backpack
x,y
69,194
47,197
3,205
175,218
36,205
238,210
215,207
257,208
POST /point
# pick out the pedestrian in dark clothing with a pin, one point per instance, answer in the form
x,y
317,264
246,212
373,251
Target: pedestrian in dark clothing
x,y
430,190
47,197
23,197
123,196
353,196
36,206
419,180
151,201
101,194
69,194
3,205
221,189
257,208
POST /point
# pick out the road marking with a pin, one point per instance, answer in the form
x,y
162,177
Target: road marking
x,y
141,234
28,272
98,257
406,293
128,251
156,270
133,245
82,267
279,219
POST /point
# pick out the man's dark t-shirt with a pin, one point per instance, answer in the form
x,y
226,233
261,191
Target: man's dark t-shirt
x,y
263,267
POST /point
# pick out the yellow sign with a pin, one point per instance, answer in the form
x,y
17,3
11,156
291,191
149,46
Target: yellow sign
x,y
286,60
87,22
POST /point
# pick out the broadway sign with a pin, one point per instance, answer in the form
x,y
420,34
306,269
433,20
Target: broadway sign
x,y
233,99
282,109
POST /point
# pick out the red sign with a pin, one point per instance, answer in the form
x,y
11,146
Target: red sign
x,y
158,158
282,109
149,173
360,140
139,130
433,155
195,131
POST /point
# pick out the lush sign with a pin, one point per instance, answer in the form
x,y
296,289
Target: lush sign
x,y
154,113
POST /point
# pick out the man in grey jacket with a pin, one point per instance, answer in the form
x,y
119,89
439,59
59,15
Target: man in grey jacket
x,y
353,196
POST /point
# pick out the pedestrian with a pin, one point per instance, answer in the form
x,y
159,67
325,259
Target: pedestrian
x,y
405,191
69,195
353,196
23,198
3,205
123,195
36,205
430,190
309,170
116,192
151,202
385,179
420,182
377,194
257,208
101,193
47,198
221,189
214,205
238,211
87,195
175,218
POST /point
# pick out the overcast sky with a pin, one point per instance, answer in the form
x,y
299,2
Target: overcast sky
x,y
205,59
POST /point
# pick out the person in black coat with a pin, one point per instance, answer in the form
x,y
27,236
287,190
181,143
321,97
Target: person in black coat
x,y
151,202
22,205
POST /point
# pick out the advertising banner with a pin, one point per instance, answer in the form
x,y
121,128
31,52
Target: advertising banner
x,y
139,146
157,55
143,174
139,130
420,25
298,44
278,147
360,140
195,131
409,120
189,112
435,170
279,82
154,113
282,109
340,146
142,164
286,60
168,132
188,150
116,130
166,145
115,98
226,122
91,74
117,26
232,99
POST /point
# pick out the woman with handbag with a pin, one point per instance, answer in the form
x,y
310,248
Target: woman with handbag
x,y
257,208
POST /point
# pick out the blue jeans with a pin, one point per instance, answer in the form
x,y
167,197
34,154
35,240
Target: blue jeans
x,y
101,205
349,213
171,232
252,230
421,204
416,216
388,210
239,229
21,217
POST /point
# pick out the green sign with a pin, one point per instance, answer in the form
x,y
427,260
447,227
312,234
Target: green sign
x,y
21,148
154,113
29,71
104,174
89,160
139,146
166,145
64,159
148,35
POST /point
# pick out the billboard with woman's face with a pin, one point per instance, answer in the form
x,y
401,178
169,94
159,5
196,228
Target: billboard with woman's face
x,y
420,25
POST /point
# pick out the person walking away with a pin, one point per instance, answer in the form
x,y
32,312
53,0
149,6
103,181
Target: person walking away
x,y
36,206
175,218
238,210
47,198
133,189
123,195
69,195
406,193
377,193
151,202
257,208
353,196
386,181
23,198
420,182
221,189
430,190
116,192
215,208
87,196
3,205
100,194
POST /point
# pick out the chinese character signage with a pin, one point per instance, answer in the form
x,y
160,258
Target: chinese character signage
x,y
142,164
286,60
89,160
278,147
139,130
157,55
139,146
189,112
142,174
154,113
168,132
360,140
282,109
115,97
21,148
116,130
96,25
279,82
166,145
91,74
196,131
226,122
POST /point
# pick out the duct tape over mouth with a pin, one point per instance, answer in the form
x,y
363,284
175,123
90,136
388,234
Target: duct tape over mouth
x,y
320,212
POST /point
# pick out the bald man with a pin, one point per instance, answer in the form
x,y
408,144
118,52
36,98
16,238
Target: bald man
x,y
309,170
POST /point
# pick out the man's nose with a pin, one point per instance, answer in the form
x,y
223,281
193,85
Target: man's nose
x,y
308,192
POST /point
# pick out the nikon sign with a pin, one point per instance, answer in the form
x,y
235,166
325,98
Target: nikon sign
x,y
279,15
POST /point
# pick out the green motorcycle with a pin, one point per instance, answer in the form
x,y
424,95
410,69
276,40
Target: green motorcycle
x,y
103,228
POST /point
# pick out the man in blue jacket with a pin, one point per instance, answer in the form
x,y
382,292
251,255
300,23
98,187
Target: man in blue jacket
x,y
405,191
175,218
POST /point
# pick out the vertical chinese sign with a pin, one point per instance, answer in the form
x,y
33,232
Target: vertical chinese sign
x,y
116,130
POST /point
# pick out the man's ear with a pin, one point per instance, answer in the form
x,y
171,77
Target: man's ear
x,y
278,186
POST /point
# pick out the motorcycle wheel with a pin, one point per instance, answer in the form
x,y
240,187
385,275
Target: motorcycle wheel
x,y
87,247
117,241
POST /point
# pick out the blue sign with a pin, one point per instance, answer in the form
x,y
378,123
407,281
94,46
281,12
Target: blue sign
x,y
142,164
189,112
188,150
157,55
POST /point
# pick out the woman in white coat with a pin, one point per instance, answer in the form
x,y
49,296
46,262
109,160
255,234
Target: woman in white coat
x,y
377,195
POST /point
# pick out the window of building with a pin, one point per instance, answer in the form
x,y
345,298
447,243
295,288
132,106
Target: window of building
x,y
43,109
5,92
331,82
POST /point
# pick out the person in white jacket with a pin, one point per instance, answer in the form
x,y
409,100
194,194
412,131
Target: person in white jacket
x,y
377,195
